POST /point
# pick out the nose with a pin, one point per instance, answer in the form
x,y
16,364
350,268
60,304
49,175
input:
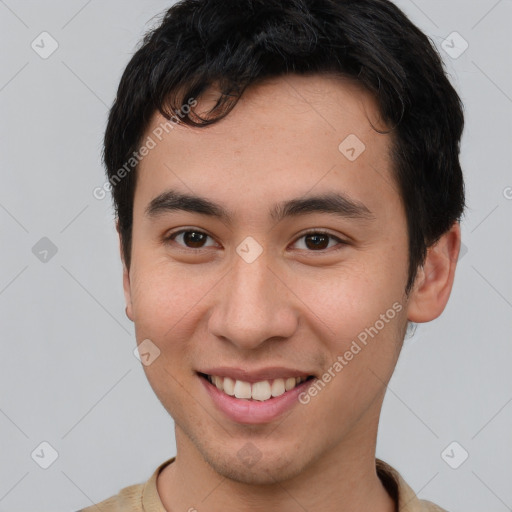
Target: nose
x,y
254,304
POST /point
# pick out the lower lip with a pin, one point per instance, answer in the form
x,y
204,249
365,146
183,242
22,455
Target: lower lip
x,y
254,411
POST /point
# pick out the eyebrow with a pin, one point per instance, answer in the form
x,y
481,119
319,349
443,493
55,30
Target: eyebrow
x,y
333,203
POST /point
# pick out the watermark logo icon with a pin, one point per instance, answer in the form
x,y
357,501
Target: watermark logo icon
x,y
454,455
146,352
44,45
44,250
44,455
351,147
249,454
249,250
454,45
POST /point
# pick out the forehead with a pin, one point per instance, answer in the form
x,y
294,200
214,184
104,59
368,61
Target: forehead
x,y
284,137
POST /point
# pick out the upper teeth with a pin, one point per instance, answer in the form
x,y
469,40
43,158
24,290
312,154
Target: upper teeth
x,y
261,390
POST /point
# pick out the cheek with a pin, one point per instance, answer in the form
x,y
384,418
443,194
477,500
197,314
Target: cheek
x,y
348,299
362,358
166,298
167,308
363,314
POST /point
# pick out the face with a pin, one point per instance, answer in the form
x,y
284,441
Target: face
x,y
294,265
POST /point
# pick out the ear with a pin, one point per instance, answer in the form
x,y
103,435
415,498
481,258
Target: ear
x,y
126,277
434,281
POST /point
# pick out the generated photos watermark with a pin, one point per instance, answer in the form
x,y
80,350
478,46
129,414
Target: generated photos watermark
x,y
149,144
356,347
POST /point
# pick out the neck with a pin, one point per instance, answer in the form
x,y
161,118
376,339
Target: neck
x,y
342,480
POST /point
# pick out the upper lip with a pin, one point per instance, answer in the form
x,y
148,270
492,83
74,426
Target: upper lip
x,y
251,376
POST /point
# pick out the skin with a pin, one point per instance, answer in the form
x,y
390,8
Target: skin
x,y
295,305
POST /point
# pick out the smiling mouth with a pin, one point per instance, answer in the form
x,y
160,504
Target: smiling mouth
x,y
260,391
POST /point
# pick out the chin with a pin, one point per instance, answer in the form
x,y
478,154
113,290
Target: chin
x,y
245,467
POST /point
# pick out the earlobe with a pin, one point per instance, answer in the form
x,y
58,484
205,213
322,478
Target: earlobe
x,y
434,281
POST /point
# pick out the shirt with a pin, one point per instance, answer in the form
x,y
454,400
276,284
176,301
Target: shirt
x,y
144,497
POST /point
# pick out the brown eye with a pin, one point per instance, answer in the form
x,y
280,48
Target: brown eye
x,y
318,241
191,239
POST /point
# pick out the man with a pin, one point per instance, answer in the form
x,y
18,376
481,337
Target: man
x,y
288,195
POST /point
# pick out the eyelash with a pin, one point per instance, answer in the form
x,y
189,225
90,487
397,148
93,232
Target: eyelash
x,y
341,242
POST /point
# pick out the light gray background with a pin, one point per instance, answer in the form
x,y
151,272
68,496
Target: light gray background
x,y
68,374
